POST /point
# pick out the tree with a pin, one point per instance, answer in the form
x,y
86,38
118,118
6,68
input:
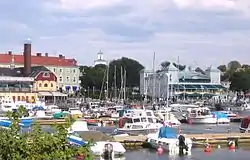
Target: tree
x,y
233,66
37,144
132,68
240,81
179,66
245,66
222,68
164,65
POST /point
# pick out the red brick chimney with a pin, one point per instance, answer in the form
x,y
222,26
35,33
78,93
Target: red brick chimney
x,y
27,58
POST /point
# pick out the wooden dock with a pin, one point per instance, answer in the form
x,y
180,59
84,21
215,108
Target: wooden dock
x,y
219,138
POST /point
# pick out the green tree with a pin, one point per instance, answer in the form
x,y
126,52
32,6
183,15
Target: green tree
x,y
233,66
164,65
240,81
222,68
132,68
38,144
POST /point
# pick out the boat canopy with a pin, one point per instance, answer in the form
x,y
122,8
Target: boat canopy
x,y
219,115
167,132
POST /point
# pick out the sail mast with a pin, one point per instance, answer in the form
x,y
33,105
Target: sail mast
x,y
115,84
154,78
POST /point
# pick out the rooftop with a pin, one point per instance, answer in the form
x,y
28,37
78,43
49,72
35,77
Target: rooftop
x,y
38,59
18,72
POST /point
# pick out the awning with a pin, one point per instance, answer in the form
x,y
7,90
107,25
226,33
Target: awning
x,y
59,94
44,94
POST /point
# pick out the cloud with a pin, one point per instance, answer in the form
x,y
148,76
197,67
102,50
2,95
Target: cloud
x,y
199,31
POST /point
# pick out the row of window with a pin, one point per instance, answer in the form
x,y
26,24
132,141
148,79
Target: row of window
x,y
67,79
45,85
68,70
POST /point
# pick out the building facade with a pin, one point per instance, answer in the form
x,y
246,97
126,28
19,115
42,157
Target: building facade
x,y
66,70
28,82
17,88
187,82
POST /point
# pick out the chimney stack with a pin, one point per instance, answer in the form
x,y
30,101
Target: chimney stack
x,y
27,58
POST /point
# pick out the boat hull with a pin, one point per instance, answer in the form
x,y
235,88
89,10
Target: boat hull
x,y
244,130
138,131
170,145
203,120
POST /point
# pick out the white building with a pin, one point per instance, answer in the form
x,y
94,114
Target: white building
x,y
173,81
100,59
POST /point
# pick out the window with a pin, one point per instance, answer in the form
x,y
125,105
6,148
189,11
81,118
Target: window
x,y
45,85
67,79
60,70
51,85
60,79
150,120
136,120
40,84
54,69
74,71
74,79
46,74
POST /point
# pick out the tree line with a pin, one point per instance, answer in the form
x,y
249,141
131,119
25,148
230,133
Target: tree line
x,y
237,74
127,71
119,73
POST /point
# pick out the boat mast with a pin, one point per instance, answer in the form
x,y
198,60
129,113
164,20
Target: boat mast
x,y
154,78
115,84
107,83
124,84
178,67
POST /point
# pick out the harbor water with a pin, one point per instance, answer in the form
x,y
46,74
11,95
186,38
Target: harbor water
x,y
197,154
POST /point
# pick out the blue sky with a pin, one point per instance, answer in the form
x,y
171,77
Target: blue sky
x,y
200,32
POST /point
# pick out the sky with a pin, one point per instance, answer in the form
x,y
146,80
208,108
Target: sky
x,y
199,32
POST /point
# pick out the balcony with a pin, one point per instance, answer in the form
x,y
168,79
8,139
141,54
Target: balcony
x,y
13,89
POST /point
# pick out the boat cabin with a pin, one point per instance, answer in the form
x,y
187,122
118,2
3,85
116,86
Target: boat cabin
x,y
198,111
136,122
138,113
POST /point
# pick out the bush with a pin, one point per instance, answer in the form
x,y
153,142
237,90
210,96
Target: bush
x,y
38,144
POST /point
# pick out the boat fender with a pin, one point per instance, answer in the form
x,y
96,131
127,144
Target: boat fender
x,y
208,148
160,150
231,145
108,152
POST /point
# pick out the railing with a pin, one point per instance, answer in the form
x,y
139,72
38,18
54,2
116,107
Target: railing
x,y
15,89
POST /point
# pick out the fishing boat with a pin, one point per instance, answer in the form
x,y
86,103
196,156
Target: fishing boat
x,y
167,139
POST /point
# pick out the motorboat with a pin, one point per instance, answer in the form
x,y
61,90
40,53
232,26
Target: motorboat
x,y
75,112
182,107
24,122
53,109
99,147
7,104
203,115
139,121
168,118
244,126
167,138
